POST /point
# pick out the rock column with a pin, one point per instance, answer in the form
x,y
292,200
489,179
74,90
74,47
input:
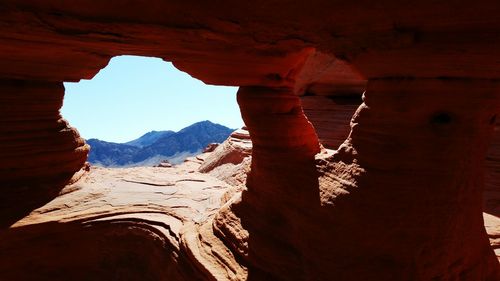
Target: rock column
x,y
40,152
400,200
282,182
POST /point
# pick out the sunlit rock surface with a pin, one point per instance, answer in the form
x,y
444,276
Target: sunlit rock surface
x,y
40,152
139,224
114,224
393,193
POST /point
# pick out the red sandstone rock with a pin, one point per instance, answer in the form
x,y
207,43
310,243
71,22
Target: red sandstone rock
x,y
370,211
113,224
232,151
492,186
164,164
399,200
331,117
491,195
40,153
492,224
210,147
230,161
388,39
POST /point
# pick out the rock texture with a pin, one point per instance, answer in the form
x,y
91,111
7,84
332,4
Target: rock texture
x,y
492,186
400,198
437,149
114,224
40,152
492,192
120,237
361,199
331,116
492,224
259,223
230,161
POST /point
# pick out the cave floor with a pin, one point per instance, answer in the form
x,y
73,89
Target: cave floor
x,y
178,192
491,215
162,198
112,221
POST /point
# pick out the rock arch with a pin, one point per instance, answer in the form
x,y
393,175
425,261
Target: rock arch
x,y
399,199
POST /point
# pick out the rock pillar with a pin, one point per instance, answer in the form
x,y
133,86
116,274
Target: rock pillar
x,y
403,195
400,200
40,152
280,186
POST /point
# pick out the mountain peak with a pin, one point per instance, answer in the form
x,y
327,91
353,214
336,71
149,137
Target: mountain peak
x,y
204,125
205,122
158,145
149,138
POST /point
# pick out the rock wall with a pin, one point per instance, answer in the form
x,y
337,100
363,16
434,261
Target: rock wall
x,y
419,156
40,152
331,116
492,186
114,224
408,171
230,161
492,191
399,198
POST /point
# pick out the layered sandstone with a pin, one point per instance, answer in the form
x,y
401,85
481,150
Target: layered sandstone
x,y
230,161
40,151
492,186
118,236
114,224
397,196
492,191
331,116
358,196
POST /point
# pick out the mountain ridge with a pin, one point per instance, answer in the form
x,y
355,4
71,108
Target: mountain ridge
x,y
149,138
154,146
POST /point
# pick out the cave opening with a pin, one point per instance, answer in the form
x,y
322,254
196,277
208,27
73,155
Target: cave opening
x,y
330,113
142,111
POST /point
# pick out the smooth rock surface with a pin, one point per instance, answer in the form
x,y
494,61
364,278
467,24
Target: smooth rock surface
x,y
230,161
331,117
40,152
401,198
114,224
145,224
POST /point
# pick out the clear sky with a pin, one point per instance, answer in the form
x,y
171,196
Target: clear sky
x,y
134,95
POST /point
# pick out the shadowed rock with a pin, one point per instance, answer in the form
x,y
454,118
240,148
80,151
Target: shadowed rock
x,y
395,195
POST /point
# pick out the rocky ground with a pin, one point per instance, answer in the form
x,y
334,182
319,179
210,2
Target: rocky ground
x,y
140,223
124,223
492,224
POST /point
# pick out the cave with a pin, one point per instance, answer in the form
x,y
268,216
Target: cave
x,y
375,143
142,111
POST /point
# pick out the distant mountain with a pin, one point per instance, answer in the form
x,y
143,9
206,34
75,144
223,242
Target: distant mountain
x,y
149,138
155,146
110,154
190,139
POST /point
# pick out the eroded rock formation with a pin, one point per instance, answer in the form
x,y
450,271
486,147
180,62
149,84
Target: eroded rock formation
x,y
230,161
114,224
397,194
40,152
331,116
492,191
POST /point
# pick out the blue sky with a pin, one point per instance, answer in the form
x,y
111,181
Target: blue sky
x,y
134,95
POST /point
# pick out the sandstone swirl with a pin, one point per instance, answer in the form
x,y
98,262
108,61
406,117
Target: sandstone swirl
x,y
40,151
393,193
